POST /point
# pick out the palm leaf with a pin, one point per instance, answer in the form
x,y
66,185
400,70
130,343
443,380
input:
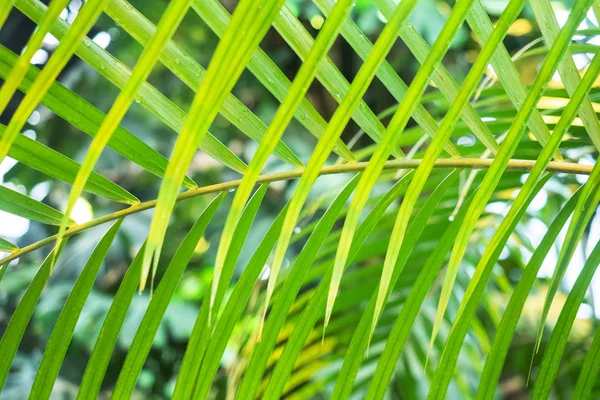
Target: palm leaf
x,y
507,326
507,73
536,172
558,340
5,245
158,305
397,124
19,204
63,330
303,45
19,320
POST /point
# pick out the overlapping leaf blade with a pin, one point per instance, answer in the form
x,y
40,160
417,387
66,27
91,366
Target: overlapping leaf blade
x,y
507,72
282,118
363,47
5,245
560,335
289,290
65,326
107,338
506,328
510,144
249,24
267,72
589,371
548,24
397,124
84,21
20,319
138,351
334,130
11,83
441,77
119,74
197,345
169,22
88,118
192,73
360,338
52,163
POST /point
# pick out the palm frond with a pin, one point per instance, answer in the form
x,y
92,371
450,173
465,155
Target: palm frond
x,y
324,275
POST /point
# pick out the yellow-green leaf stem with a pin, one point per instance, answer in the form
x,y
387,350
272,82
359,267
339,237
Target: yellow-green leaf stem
x,y
395,165
282,118
249,24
